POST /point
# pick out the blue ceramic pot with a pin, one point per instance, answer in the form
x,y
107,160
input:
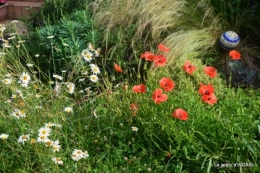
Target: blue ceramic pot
x,y
229,40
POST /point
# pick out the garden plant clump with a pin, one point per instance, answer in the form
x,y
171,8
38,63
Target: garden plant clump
x,y
90,97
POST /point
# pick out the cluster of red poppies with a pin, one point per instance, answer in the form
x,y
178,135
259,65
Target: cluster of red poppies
x,y
166,84
206,91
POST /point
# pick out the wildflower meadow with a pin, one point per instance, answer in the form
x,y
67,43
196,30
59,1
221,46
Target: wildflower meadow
x,y
87,92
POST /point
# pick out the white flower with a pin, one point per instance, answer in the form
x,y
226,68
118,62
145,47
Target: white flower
x,y
57,88
48,143
57,77
42,138
56,146
90,47
4,136
57,161
78,154
29,65
68,109
95,114
71,87
97,52
24,79
50,37
92,65
23,138
48,125
135,129
94,78
15,21
86,55
95,70
38,107
18,114
10,38
21,41
36,55
81,80
7,81
44,131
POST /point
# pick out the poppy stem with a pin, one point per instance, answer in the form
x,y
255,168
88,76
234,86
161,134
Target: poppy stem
x,y
226,71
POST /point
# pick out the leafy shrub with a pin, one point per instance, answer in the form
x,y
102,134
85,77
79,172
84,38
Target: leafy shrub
x,y
59,45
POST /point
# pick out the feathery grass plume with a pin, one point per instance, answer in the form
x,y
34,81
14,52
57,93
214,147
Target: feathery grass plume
x,y
152,19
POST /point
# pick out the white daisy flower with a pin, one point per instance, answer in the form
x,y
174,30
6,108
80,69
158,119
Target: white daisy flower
x,y
92,65
97,52
4,136
29,65
57,88
7,81
44,131
68,109
90,47
55,146
95,70
87,55
21,41
15,21
94,78
135,129
48,143
78,154
57,77
57,161
42,138
23,138
25,78
22,114
71,87
18,114
81,80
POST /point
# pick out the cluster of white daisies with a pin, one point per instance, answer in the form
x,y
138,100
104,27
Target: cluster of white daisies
x,y
23,80
43,137
88,55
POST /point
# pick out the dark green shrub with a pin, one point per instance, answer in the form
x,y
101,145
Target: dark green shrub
x,y
58,45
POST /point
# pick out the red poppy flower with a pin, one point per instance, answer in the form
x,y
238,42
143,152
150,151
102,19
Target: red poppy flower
x,y
234,55
118,68
206,89
134,108
210,71
163,48
139,88
148,56
180,114
210,99
158,96
167,84
188,68
160,60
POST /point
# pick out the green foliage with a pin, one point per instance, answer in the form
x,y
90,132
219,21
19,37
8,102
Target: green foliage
x,y
52,11
223,133
71,35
